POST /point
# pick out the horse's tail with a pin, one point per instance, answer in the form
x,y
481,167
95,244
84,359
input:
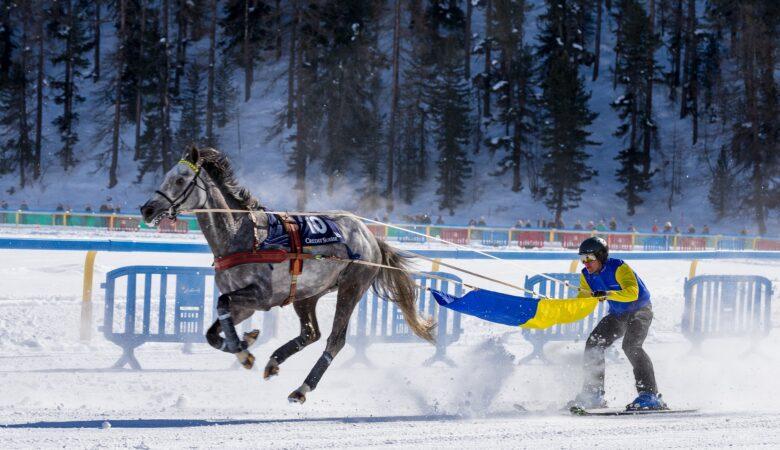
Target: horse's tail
x,y
397,286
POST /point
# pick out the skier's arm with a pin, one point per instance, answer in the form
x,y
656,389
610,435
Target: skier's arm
x,y
629,287
584,288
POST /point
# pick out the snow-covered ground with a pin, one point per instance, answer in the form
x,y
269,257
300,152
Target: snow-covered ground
x,y
58,392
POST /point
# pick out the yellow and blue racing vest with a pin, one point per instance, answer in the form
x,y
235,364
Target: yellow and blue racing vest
x,y
626,292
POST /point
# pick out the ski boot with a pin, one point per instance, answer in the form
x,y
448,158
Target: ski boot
x,y
647,401
587,400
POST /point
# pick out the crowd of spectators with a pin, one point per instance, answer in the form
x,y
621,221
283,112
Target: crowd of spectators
x,y
602,225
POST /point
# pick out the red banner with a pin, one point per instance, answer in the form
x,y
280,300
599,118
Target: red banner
x,y
378,230
573,240
529,239
692,243
765,244
173,226
455,235
124,224
620,242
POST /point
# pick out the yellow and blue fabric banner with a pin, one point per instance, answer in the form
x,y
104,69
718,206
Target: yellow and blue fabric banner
x,y
525,312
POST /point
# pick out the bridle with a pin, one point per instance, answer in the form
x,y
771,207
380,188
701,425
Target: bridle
x,y
175,204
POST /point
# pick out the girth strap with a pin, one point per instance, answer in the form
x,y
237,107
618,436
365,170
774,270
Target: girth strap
x,y
296,259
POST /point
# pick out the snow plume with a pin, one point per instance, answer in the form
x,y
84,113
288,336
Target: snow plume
x,y
481,377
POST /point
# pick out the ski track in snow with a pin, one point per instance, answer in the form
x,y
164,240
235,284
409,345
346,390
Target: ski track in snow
x,y
58,391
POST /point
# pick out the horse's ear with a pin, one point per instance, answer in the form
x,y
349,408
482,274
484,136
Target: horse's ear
x,y
193,154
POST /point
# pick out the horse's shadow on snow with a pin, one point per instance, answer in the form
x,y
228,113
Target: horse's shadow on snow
x,y
187,423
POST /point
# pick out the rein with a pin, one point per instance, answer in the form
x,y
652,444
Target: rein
x,y
173,207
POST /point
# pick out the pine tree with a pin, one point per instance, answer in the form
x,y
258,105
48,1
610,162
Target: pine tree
x,y
565,114
191,124
722,185
246,31
16,153
225,94
69,30
450,112
636,43
513,85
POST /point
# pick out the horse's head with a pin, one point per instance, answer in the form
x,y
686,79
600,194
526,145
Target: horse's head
x,y
184,187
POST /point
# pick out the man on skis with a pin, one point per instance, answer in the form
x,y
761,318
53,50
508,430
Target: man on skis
x,y
630,315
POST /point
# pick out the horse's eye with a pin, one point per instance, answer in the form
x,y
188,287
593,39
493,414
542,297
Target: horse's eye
x,y
179,181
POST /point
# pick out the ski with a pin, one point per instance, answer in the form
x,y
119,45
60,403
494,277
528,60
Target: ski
x,y
625,412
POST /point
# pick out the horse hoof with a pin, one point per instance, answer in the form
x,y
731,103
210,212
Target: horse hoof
x,y
296,397
251,337
246,359
271,370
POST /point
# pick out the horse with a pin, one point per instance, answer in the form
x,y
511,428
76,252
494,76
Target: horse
x,y
235,225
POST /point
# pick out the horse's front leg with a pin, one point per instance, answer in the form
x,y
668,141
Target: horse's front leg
x,y
231,310
310,333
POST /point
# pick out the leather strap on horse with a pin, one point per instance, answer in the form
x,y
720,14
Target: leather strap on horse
x,y
295,255
296,252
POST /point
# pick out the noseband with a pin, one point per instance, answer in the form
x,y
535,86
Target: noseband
x,y
175,204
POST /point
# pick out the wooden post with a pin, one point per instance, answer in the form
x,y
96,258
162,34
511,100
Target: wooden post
x,y
573,266
435,265
86,297
692,270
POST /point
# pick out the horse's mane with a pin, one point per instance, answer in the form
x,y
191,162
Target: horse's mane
x,y
218,167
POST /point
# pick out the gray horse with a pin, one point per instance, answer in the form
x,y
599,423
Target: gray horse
x,y
203,179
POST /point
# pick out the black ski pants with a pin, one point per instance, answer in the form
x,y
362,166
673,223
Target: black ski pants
x,y
633,328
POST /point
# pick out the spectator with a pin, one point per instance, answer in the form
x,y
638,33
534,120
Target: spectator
x,y
743,232
691,229
612,224
528,224
117,210
439,220
519,223
88,208
655,227
23,206
631,228
60,208
578,225
472,222
425,219
705,229
667,228
482,222
385,218
3,204
601,226
676,229
591,225
104,208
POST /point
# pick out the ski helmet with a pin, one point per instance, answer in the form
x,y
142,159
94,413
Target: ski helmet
x,y
595,246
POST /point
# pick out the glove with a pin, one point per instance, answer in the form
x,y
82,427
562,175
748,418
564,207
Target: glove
x,y
601,295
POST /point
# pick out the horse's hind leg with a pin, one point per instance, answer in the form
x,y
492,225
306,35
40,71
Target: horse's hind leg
x,y
310,333
348,296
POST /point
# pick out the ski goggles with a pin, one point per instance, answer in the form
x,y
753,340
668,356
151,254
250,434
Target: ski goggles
x,y
587,258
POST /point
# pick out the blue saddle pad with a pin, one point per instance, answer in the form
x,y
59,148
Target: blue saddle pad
x,y
314,230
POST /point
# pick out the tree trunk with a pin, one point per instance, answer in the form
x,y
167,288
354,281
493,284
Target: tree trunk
x,y
467,40
181,46
278,30
68,94
167,162
488,37
301,131
247,52
676,50
693,80
112,179
39,94
24,133
96,71
212,66
597,42
647,128
615,74
393,107
291,68
138,96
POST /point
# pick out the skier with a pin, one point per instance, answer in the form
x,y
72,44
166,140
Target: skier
x,y
630,315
